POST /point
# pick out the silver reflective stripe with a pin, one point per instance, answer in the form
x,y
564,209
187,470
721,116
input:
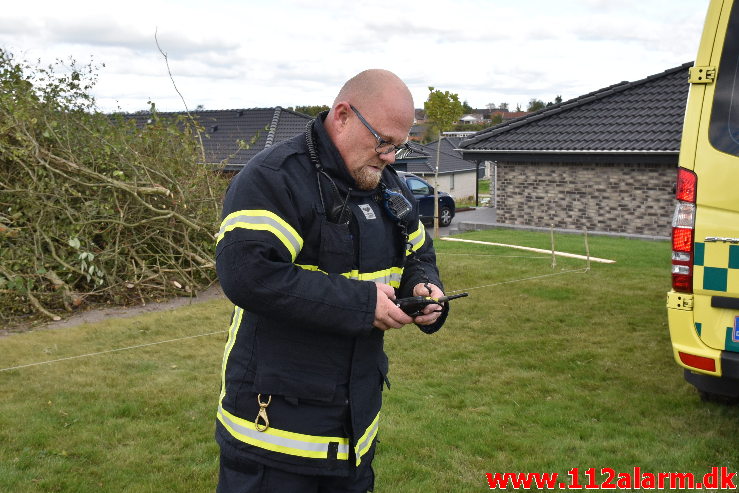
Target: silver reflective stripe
x,y
391,276
232,331
263,220
366,441
281,443
417,238
384,278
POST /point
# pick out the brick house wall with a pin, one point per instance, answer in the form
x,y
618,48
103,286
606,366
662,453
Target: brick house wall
x,y
629,198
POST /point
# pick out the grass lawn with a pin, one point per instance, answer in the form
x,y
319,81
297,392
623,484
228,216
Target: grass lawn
x,y
483,186
541,375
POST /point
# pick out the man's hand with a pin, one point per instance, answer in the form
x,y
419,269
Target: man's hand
x,y
387,314
430,313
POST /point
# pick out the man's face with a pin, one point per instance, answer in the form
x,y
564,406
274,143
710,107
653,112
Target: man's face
x,y
362,161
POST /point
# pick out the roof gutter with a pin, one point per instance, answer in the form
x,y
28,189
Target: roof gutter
x,y
553,151
559,156
449,172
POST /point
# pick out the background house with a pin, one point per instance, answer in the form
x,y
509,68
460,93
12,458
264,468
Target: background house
x,y
456,176
506,115
418,130
605,161
233,137
471,119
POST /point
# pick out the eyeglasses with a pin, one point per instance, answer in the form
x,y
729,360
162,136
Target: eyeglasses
x,y
383,146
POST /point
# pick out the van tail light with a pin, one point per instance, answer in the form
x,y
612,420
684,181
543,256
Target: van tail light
x,y
683,231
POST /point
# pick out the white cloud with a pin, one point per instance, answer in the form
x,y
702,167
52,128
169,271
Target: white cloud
x,y
231,53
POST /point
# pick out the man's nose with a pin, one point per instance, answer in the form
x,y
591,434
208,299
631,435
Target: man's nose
x,y
389,158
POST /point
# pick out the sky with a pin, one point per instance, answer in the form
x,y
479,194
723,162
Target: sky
x,y
226,54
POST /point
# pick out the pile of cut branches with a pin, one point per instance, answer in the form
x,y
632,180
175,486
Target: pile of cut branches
x,y
93,208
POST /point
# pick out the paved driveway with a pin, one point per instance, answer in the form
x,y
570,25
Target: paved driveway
x,y
478,215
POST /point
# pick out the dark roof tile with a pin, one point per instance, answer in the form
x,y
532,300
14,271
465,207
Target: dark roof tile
x,y
424,160
224,130
641,116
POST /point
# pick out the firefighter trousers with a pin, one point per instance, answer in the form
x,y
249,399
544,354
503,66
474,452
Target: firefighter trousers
x,y
253,477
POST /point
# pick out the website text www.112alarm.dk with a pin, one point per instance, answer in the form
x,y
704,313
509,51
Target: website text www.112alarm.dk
x,y
719,478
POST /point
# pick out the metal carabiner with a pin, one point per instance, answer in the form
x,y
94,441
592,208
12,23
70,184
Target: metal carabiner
x,y
262,414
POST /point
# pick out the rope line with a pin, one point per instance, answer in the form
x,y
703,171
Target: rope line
x,y
109,351
138,346
441,254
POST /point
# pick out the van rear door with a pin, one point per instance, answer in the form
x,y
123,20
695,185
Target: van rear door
x,y
716,165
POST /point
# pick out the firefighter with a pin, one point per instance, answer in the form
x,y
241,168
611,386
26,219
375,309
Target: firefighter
x,y
319,237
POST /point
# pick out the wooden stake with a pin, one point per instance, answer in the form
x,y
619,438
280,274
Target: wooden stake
x,y
436,189
554,257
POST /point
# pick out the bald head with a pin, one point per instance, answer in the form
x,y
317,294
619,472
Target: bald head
x,y
377,92
372,86
386,105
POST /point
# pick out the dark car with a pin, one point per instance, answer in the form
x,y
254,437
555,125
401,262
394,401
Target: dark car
x,y
424,194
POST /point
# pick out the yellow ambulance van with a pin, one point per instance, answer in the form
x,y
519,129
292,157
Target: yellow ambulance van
x,y
703,305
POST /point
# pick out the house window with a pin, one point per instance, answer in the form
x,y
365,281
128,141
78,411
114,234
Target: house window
x,y
451,182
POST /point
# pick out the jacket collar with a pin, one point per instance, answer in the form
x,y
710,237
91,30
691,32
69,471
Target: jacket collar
x,y
329,155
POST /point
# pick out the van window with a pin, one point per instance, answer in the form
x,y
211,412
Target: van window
x,y
724,129
418,187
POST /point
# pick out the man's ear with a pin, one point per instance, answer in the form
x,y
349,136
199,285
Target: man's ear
x,y
340,114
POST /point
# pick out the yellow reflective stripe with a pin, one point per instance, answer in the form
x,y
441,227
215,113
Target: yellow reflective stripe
x,y
311,268
277,440
364,443
417,238
273,439
232,331
286,442
261,220
391,276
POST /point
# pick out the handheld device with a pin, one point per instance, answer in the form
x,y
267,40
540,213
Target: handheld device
x,y
396,205
414,305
